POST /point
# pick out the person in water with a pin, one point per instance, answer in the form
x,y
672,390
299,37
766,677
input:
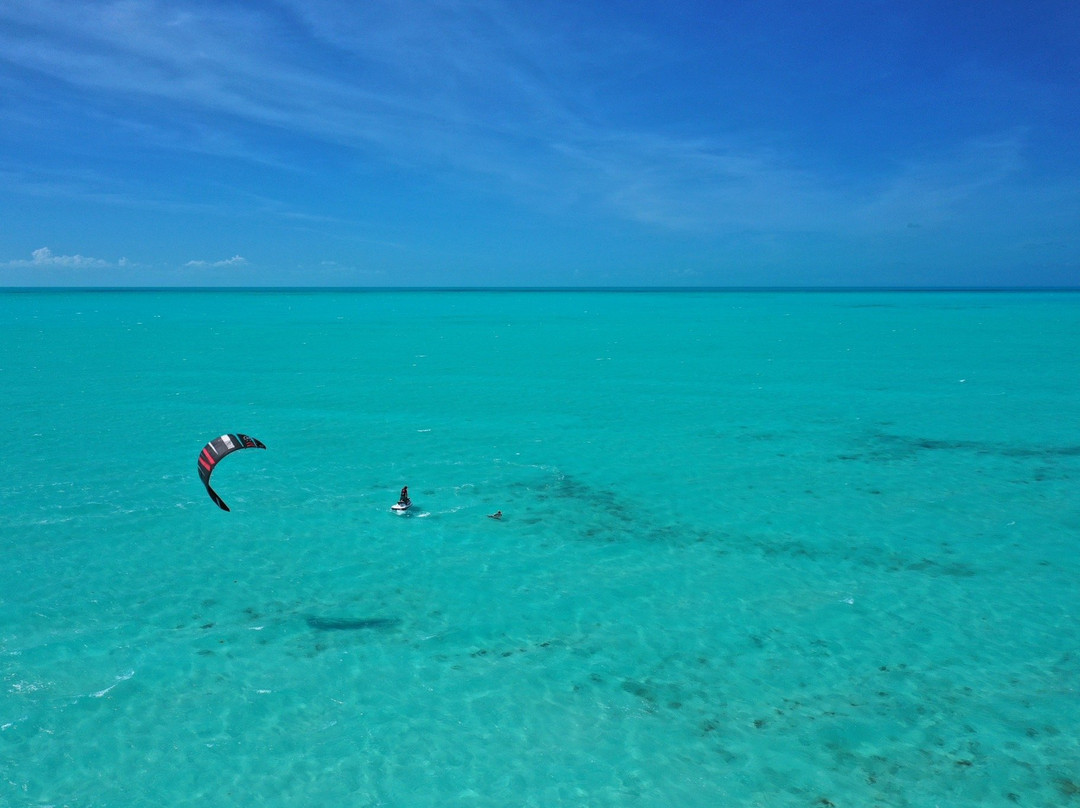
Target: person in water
x,y
496,515
404,495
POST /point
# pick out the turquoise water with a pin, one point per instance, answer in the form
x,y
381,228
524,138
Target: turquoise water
x,y
758,549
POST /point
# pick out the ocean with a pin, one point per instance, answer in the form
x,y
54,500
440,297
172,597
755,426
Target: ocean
x,y
757,549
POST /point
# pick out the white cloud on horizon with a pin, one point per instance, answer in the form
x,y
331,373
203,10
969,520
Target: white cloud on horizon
x,y
44,258
235,261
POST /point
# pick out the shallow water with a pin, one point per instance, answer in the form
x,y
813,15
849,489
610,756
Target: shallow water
x,y
760,549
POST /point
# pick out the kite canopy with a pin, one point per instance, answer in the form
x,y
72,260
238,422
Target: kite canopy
x,y
217,449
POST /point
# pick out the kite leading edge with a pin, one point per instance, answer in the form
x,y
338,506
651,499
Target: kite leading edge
x,y
218,448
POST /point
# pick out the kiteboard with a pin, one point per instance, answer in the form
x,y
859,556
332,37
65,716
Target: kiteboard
x,y
402,506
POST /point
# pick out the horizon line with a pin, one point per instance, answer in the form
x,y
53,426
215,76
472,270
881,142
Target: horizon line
x,y
623,289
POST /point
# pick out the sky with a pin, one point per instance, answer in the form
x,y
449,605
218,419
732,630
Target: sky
x,y
610,143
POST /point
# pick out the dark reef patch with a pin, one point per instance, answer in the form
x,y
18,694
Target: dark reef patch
x,y
889,446
353,623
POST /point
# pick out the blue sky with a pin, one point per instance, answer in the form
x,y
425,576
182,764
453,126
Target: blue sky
x,y
486,143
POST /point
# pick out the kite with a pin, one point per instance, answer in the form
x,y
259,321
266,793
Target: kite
x,y
217,449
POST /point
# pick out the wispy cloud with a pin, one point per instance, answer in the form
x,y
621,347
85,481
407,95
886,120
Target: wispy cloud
x,y
468,90
445,87
934,191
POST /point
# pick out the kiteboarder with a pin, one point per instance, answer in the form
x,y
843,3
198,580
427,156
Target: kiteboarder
x,y
404,503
